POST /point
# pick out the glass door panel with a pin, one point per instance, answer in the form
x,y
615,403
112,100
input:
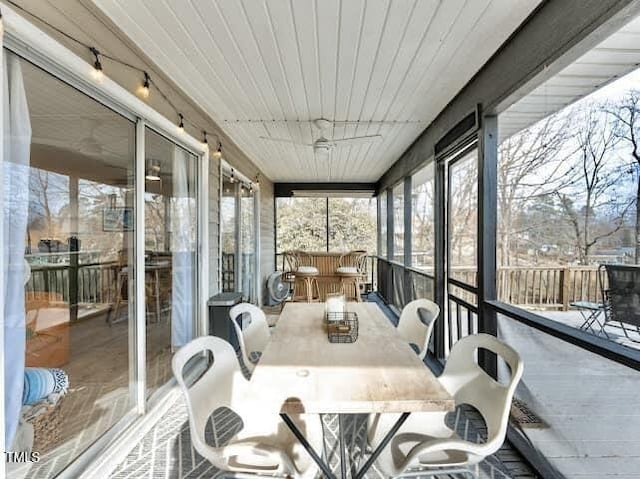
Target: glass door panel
x,y
69,239
461,190
229,232
463,218
398,223
248,244
170,253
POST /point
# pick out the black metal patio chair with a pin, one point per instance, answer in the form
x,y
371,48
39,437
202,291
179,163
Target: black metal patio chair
x,y
622,297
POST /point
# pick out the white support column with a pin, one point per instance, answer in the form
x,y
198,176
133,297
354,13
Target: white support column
x,y
237,264
3,446
258,272
202,326
138,329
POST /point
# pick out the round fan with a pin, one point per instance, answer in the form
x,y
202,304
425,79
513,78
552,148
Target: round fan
x,y
278,289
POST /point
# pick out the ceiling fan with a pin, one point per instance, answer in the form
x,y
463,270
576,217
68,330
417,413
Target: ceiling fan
x,y
90,144
325,145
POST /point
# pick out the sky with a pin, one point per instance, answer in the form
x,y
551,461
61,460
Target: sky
x,y
617,89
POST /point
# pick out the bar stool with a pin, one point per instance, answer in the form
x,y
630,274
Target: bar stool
x,y
301,264
352,268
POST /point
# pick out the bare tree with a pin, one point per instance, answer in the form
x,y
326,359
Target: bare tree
x,y
596,174
627,115
531,166
48,193
463,210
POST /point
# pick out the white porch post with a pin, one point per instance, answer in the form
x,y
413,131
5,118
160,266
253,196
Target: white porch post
x,y
2,405
202,317
139,337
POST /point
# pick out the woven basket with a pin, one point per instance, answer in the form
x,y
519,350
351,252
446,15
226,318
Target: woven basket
x,y
47,427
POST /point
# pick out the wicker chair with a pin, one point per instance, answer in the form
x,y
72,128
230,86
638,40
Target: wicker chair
x,y
301,264
352,271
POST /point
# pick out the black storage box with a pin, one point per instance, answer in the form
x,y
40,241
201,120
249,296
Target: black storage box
x,y
219,321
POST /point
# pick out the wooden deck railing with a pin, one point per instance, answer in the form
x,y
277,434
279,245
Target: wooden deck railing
x,y
96,282
542,287
549,287
534,287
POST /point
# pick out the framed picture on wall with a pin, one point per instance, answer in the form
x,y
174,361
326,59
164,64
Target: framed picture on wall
x,y
117,219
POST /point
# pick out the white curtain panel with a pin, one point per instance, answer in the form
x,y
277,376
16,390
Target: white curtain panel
x,y
183,244
15,169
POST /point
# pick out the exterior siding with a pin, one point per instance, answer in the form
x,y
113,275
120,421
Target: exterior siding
x,y
267,235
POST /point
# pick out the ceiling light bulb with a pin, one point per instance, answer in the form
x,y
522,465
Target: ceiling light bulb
x,y
181,124
97,73
144,89
218,153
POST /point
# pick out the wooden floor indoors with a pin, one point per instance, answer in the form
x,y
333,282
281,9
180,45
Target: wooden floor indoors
x,y
98,395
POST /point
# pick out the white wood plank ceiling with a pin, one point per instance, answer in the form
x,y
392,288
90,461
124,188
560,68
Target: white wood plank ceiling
x,y
265,68
613,58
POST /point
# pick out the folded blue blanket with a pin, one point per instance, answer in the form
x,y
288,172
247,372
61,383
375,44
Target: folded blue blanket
x,y
40,383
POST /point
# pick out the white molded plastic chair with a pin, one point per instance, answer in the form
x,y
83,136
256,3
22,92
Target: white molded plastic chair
x,y
264,446
253,338
425,443
416,330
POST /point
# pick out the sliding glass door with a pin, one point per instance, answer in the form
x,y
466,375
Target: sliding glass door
x,y
248,243
170,253
69,250
229,232
72,355
238,236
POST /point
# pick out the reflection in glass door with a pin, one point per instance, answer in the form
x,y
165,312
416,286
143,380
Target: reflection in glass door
x,y
170,253
229,232
238,236
248,243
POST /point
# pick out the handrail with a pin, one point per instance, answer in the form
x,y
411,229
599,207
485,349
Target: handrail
x,y
582,339
463,303
462,285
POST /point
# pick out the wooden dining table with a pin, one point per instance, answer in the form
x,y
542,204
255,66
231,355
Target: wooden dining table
x,y
300,371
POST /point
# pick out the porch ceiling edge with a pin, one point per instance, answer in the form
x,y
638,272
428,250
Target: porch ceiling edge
x,y
554,35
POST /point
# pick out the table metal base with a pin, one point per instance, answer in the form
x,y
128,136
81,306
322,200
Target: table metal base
x,y
324,467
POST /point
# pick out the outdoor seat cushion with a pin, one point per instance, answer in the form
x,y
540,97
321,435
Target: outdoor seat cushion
x,y
42,383
307,270
347,270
